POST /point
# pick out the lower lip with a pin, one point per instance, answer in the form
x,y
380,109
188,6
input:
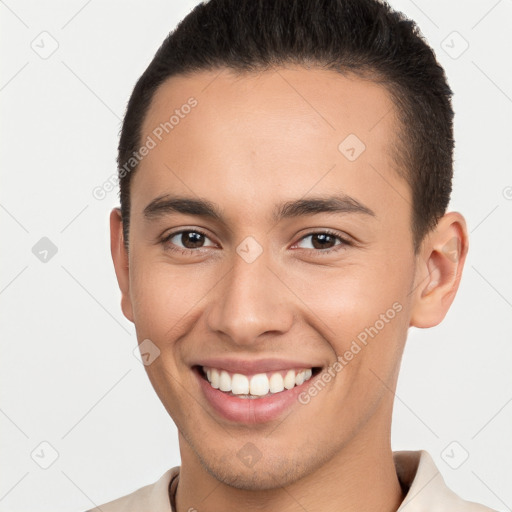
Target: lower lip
x,y
251,410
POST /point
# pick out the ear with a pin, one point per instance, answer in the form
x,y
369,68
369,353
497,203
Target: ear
x,y
121,261
439,265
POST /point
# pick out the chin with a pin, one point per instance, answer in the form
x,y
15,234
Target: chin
x,y
268,473
262,479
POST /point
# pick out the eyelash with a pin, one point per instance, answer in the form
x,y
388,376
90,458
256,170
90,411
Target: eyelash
x,y
321,252
182,250
327,252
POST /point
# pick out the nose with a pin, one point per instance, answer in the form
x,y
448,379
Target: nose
x,y
251,300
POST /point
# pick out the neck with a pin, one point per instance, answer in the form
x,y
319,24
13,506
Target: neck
x,y
360,477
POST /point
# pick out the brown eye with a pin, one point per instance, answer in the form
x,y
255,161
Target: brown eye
x,y
187,240
323,241
191,239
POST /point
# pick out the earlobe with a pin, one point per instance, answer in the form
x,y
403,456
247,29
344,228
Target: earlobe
x,y
438,270
121,261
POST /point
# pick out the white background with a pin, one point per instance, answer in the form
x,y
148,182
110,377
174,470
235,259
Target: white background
x,y
68,374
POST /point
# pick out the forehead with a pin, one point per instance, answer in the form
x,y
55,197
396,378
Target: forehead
x,y
327,101
282,131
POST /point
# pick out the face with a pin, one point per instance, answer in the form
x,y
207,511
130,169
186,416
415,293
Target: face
x,y
270,233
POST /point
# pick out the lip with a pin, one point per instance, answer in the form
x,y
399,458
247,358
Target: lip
x,y
251,410
251,367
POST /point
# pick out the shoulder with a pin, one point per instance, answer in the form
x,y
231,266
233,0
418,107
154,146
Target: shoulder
x,y
154,497
425,487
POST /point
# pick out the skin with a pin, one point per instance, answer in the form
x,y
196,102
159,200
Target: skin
x,y
252,142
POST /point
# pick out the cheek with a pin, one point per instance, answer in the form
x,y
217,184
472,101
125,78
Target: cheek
x,y
362,311
350,298
164,296
339,302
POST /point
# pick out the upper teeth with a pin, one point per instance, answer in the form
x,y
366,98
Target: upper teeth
x,y
259,384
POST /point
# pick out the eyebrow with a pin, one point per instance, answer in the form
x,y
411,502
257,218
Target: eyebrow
x,y
167,204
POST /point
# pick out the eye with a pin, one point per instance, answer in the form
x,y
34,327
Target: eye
x,y
186,241
190,241
324,241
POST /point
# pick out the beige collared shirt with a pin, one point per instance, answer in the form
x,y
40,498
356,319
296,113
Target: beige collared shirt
x,y
417,472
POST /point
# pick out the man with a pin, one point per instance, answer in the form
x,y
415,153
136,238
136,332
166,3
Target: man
x,y
285,169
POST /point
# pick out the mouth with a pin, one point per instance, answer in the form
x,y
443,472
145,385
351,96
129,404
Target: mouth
x,y
256,385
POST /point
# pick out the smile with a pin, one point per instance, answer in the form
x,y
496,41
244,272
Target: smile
x,y
258,385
